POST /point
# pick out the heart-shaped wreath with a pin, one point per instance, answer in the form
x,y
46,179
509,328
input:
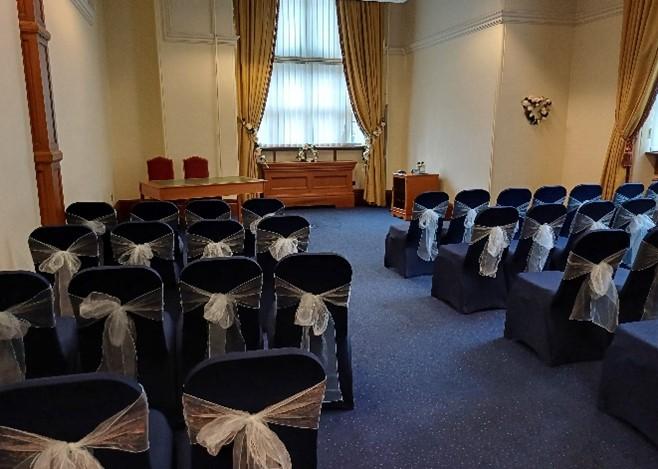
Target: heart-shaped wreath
x,y
536,108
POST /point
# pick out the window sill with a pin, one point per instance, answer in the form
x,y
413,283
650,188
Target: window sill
x,y
346,146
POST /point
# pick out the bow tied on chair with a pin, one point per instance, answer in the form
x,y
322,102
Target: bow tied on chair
x,y
63,264
281,246
252,219
127,431
428,222
637,226
498,239
206,248
219,310
119,332
597,300
97,225
543,241
255,445
582,222
470,214
126,252
216,249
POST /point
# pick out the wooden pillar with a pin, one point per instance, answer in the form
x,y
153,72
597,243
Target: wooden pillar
x,y
47,156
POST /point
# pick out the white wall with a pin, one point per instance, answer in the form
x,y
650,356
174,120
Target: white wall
x,y
19,210
80,88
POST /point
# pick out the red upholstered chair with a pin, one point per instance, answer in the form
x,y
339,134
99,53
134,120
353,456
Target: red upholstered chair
x,y
195,167
160,168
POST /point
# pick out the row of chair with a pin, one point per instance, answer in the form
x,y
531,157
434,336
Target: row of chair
x,y
162,169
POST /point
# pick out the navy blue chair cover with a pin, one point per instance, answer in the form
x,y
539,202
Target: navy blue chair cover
x,y
318,273
518,255
549,195
652,191
401,246
79,212
49,351
457,279
472,198
206,209
629,380
636,206
219,275
579,195
215,230
283,225
635,289
260,207
540,304
596,210
163,211
252,381
514,197
628,191
68,408
155,339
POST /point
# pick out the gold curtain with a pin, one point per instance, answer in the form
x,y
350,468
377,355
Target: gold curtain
x,y
361,27
255,25
638,73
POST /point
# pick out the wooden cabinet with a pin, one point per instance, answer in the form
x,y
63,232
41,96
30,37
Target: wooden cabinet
x,y
306,184
405,189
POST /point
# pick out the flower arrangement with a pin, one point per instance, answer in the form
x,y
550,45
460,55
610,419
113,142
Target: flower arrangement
x,y
307,153
536,108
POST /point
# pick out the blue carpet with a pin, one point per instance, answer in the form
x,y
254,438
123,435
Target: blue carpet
x,y
437,389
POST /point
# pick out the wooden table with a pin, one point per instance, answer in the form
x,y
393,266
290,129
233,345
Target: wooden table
x,y
185,189
321,183
406,187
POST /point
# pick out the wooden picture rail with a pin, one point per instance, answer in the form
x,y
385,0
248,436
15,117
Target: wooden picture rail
x,y
36,64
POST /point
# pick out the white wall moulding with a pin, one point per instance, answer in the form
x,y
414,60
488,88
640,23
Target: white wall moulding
x,y
179,24
87,9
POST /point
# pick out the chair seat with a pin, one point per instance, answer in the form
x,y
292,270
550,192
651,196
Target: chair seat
x,y
401,254
455,252
540,283
629,381
398,231
160,441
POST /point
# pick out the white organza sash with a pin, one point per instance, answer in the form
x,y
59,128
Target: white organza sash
x,y
280,246
428,222
219,310
128,253
127,430
637,225
15,321
171,220
621,198
63,264
119,332
536,202
499,238
191,217
98,225
255,445
469,214
313,316
543,237
251,219
574,203
582,222
523,210
652,194
647,257
597,300
206,248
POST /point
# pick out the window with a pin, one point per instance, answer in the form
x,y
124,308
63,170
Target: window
x,y
653,128
308,100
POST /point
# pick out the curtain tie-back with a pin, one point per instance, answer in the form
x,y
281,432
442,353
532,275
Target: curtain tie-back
x,y
219,310
498,239
255,445
119,354
370,138
597,300
280,246
127,430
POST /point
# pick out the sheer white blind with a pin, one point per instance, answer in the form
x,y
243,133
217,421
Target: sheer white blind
x,y
308,100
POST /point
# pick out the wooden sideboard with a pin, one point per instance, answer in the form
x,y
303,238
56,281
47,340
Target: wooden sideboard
x,y
406,187
306,184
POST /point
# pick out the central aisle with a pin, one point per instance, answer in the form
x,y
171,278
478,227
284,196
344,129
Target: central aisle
x,y
437,389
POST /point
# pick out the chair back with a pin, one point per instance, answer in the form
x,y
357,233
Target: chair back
x,y
195,167
263,206
79,212
549,195
68,408
638,285
476,199
159,235
637,206
251,382
156,210
628,191
490,217
579,195
293,226
427,200
126,283
160,169
514,197
43,352
548,214
652,191
205,231
62,237
252,211
221,275
206,209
